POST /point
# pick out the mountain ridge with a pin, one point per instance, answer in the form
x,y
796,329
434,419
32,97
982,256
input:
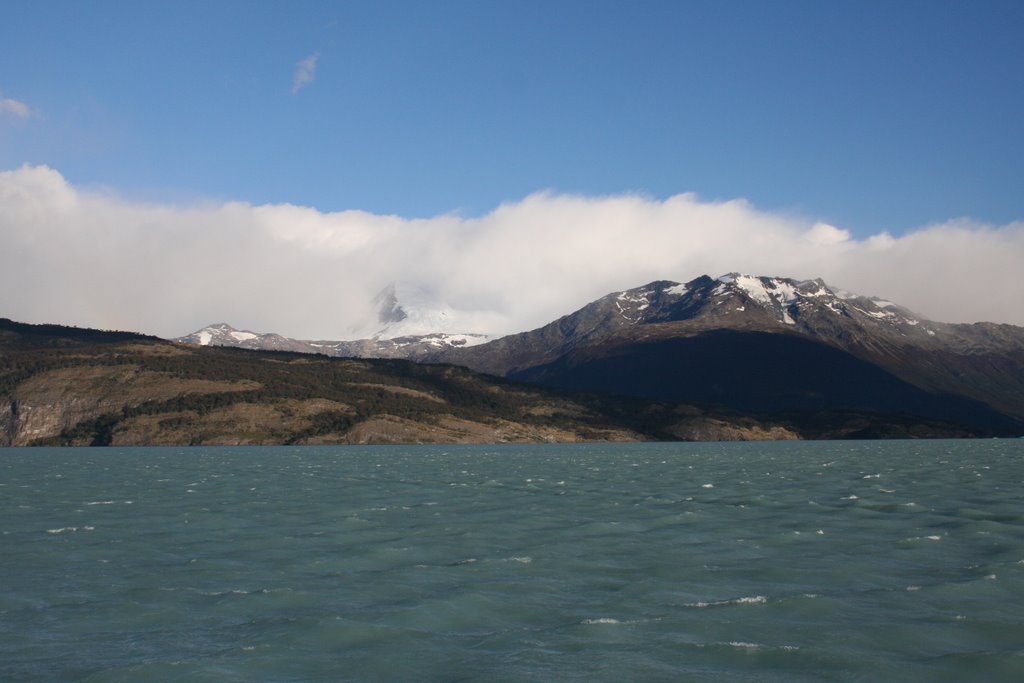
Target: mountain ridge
x,y
736,301
956,366
800,304
64,386
841,351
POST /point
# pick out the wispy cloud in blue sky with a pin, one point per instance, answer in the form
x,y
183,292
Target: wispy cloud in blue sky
x,y
14,108
305,72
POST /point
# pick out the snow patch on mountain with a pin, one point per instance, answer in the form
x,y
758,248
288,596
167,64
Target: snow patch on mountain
x,y
631,303
790,300
676,290
777,294
219,334
768,291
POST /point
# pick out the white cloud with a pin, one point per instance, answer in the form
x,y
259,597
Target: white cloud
x,y
823,234
305,71
78,257
14,107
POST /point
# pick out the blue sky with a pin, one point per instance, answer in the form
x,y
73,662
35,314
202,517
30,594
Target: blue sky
x,y
273,165
871,116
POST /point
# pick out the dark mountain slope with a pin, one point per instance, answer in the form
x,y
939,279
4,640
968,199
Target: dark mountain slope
x,y
756,373
27,335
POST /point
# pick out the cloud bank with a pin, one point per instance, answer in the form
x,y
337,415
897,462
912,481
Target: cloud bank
x,y
91,258
305,71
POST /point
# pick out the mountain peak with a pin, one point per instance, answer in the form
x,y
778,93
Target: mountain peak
x,y
742,301
795,302
218,334
404,310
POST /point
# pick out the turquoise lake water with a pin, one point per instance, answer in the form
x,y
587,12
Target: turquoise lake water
x,y
837,561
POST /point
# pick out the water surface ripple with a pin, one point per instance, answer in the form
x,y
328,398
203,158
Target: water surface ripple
x,y
659,562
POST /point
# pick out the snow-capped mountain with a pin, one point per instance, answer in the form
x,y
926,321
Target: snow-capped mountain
x,y
421,347
758,342
412,327
222,334
808,306
737,301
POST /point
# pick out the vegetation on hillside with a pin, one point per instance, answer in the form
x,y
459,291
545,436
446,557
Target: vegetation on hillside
x,y
301,398
67,386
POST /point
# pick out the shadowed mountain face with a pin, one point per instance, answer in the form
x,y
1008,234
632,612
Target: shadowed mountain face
x,y
755,373
772,345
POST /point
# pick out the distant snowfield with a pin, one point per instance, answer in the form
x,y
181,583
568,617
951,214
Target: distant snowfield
x,y
91,258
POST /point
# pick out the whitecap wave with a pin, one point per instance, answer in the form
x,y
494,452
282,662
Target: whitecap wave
x,y
744,645
751,600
